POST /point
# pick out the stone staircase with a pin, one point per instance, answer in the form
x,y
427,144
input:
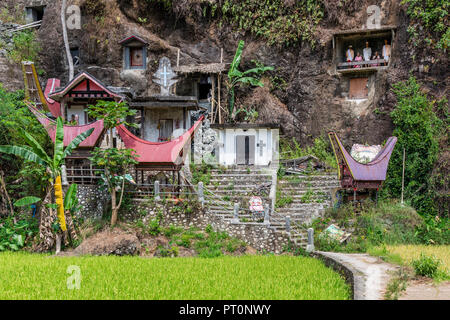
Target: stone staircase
x,y
236,185
302,198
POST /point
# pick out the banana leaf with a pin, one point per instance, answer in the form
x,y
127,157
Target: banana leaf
x,y
26,201
71,200
76,142
59,143
24,152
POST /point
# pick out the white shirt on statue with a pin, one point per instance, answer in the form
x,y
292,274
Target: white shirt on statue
x,y
367,53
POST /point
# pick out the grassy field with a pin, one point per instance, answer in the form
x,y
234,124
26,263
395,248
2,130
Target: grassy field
x,y
33,276
406,253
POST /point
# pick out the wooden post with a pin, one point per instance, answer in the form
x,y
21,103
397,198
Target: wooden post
x,y
235,213
213,96
178,57
310,246
403,175
63,108
288,223
219,80
218,87
266,214
156,191
201,197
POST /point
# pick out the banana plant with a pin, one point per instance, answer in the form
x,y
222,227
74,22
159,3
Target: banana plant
x,y
236,77
34,152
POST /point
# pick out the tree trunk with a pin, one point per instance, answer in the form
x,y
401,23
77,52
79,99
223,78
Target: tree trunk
x,y
66,39
71,227
113,207
47,216
58,243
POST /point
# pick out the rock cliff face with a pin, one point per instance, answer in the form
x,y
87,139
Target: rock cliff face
x,y
304,93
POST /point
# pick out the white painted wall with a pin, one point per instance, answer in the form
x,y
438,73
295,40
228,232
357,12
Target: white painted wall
x,y
152,117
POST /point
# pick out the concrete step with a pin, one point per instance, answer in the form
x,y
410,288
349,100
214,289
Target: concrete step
x,y
243,186
310,184
249,180
307,205
240,174
242,171
296,179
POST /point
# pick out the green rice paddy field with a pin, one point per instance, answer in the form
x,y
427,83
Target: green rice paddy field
x,y
35,276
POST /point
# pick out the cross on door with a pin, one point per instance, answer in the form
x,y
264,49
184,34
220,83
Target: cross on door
x,y
261,146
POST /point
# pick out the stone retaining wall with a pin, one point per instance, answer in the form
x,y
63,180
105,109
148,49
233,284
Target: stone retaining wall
x,y
258,235
262,237
92,200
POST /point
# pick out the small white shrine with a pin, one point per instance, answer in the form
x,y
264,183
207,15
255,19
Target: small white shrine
x,y
247,144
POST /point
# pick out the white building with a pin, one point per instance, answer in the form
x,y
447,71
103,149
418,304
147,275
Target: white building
x,y
247,144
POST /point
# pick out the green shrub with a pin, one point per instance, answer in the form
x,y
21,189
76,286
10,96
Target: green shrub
x,y
371,225
418,129
426,266
321,149
209,228
185,240
171,230
283,200
168,252
24,47
201,173
15,235
154,227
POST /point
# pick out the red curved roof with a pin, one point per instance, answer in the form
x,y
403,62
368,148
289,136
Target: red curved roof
x,y
167,153
70,132
54,106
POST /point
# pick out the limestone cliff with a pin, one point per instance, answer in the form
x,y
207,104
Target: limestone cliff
x,y
304,93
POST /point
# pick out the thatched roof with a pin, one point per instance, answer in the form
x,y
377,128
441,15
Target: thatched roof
x,y
201,68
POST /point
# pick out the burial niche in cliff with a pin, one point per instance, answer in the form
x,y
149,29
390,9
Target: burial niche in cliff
x,y
363,51
34,14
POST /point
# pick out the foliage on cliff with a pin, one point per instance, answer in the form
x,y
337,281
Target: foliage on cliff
x,y
433,16
418,130
279,22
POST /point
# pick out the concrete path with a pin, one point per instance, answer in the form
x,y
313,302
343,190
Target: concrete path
x,y
426,290
371,275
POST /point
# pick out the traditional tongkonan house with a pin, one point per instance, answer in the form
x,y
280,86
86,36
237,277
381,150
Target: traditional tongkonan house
x,y
78,94
165,128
